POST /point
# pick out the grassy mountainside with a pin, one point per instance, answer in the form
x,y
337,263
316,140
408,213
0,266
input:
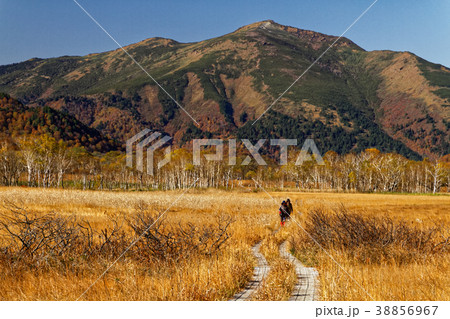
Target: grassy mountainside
x,y
350,100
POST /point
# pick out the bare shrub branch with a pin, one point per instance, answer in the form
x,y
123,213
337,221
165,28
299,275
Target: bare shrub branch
x,y
374,239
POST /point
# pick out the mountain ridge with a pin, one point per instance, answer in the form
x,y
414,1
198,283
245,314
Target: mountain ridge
x,y
391,100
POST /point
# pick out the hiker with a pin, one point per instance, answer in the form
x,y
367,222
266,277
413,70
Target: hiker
x,y
283,213
290,209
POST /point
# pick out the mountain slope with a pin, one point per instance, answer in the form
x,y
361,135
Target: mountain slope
x,y
17,119
350,100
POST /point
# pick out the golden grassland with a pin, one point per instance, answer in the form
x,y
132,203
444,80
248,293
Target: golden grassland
x,y
220,275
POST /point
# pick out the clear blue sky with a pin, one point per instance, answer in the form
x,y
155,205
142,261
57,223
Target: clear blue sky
x,y
49,28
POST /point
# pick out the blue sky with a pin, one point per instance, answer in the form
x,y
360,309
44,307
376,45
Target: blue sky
x,y
49,28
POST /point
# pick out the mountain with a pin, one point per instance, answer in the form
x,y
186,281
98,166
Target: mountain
x,y
348,101
17,119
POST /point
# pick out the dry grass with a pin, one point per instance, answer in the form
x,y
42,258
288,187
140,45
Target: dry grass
x,y
219,275
181,275
378,257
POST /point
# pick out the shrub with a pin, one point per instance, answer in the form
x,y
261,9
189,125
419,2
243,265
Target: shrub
x,y
374,239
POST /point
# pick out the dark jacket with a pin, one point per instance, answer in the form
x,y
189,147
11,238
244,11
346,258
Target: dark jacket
x,y
284,210
290,209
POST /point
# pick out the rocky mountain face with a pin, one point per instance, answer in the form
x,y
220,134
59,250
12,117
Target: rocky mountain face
x,y
349,101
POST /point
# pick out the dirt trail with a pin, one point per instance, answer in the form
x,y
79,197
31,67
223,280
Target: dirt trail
x,y
306,288
259,273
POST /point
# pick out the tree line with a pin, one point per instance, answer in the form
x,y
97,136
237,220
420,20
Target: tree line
x,y
43,161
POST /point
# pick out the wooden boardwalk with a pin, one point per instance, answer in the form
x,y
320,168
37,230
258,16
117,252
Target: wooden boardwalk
x,y
259,273
307,286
